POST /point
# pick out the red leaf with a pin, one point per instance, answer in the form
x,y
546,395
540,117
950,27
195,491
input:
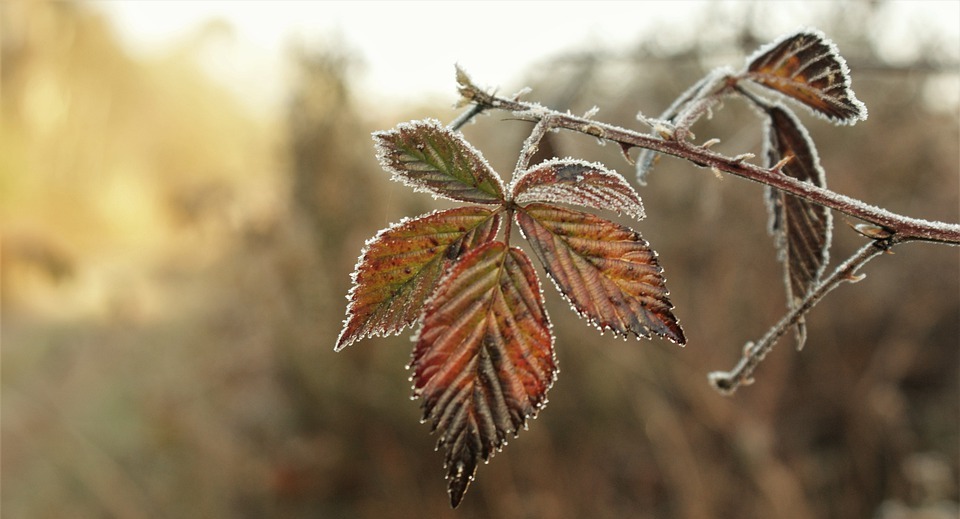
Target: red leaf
x,y
607,271
808,68
429,157
399,268
801,229
484,359
577,182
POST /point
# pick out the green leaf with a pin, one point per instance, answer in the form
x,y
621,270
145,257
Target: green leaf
x,y
399,268
484,358
430,157
577,182
807,67
607,271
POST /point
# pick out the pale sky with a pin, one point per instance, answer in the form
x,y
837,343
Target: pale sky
x,y
410,48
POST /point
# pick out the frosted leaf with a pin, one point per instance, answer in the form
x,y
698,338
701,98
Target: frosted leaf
x,y
802,229
484,358
577,182
808,68
429,157
400,267
607,271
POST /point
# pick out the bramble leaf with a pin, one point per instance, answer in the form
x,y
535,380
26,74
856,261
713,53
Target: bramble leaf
x,y
807,67
429,157
802,229
484,358
399,268
607,271
577,182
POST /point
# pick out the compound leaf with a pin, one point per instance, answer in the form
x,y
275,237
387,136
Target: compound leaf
x,y
399,268
577,182
802,229
429,157
484,358
807,67
607,271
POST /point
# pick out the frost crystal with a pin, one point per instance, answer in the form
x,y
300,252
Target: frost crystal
x,y
431,158
806,67
577,182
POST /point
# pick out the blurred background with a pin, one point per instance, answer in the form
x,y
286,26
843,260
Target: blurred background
x,y
185,188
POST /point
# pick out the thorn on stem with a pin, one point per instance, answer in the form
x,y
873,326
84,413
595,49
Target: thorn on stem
x,y
710,143
783,162
854,278
665,131
625,150
874,232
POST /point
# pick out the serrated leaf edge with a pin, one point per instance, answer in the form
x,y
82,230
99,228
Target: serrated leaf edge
x,y
354,286
382,154
622,208
834,52
604,328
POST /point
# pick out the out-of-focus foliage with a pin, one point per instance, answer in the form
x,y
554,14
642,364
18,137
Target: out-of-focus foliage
x,y
173,274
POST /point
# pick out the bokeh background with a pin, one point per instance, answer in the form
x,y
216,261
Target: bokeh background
x,y
175,256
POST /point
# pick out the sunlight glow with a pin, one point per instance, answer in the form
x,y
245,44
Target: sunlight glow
x,y
407,50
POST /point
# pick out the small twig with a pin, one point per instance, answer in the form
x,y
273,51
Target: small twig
x,y
466,117
727,382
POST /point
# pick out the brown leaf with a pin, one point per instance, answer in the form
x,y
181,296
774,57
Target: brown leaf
x,y
807,68
607,271
802,229
399,268
484,359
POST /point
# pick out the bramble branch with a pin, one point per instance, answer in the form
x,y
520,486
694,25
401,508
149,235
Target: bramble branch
x,y
903,227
